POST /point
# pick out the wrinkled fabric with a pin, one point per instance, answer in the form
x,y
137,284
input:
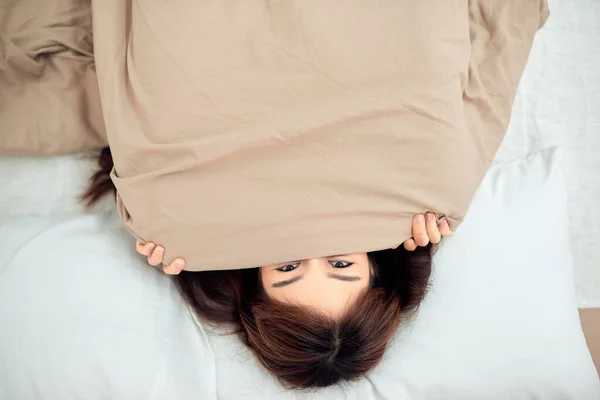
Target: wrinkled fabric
x,y
49,101
247,133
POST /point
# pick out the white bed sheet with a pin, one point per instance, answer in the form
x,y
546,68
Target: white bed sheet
x,y
558,104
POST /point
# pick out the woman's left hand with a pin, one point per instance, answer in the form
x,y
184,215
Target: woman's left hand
x,y
156,255
425,230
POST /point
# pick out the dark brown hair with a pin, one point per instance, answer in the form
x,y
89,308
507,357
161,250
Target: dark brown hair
x,y
301,347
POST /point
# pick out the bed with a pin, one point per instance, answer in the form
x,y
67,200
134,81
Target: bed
x,y
557,105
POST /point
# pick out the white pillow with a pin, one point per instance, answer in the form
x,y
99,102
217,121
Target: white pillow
x,y
83,317
500,321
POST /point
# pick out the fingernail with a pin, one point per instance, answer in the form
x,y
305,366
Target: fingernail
x,y
419,218
430,217
179,264
160,248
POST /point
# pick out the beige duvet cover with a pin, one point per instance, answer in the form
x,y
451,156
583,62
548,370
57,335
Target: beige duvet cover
x,y
590,322
49,101
249,133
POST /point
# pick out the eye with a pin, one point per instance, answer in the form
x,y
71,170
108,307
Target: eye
x,y
288,268
340,264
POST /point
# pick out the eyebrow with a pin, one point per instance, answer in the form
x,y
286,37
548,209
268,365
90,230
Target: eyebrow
x,y
344,278
339,277
287,281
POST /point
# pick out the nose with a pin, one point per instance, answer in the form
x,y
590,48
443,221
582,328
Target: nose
x,y
316,263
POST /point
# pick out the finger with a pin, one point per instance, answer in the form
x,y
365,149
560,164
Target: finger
x,y
175,267
445,229
147,249
157,256
410,245
432,229
139,245
419,231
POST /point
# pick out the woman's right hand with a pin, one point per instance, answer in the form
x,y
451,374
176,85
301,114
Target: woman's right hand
x,y
425,230
156,255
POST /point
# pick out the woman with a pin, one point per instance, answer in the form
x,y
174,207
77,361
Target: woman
x,y
315,322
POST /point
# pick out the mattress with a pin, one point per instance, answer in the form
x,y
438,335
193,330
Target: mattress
x,y
558,103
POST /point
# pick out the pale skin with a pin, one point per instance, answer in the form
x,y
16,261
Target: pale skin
x,y
328,284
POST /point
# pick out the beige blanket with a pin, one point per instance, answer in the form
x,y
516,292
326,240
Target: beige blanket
x,y
49,100
247,133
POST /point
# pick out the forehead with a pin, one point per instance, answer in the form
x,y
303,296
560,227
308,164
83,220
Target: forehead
x,y
320,292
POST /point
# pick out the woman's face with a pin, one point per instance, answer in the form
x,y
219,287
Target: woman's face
x,y
328,284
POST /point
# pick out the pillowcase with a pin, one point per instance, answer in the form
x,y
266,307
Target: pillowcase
x,y
501,319
84,317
